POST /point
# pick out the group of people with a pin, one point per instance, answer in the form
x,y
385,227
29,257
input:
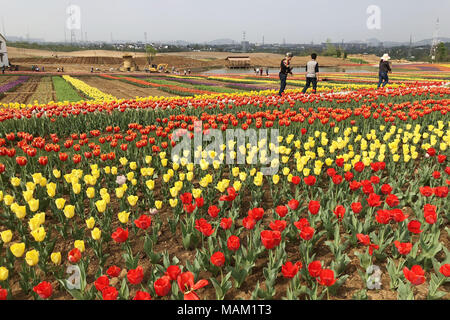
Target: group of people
x,y
260,71
37,69
312,72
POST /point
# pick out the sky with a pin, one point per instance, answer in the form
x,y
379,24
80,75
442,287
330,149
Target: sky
x,y
296,21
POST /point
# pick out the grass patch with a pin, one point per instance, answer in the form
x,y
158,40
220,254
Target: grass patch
x,y
64,91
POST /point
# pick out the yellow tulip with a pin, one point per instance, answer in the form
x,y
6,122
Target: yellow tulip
x,y
32,257
106,197
34,205
8,199
114,170
15,181
17,249
148,159
69,211
39,234
101,205
150,184
34,223
30,186
173,202
37,178
96,234
56,258
51,189
196,193
43,182
133,165
4,273
20,212
79,244
158,204
123,161
76,188
123,216
119,192
134,182
90,222
56,173
27,195
90,192
132,200
130,176
6,236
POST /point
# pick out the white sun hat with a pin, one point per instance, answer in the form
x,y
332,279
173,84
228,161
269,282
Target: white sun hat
x,y
385,57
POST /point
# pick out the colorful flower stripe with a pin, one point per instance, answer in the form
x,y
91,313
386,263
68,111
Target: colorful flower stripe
x,y
89,91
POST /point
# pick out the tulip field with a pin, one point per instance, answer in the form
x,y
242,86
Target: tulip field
x,y
93,205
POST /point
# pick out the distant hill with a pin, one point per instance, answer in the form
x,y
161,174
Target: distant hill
x,y
374,42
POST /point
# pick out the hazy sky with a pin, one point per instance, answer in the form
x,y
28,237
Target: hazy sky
x,y
297,21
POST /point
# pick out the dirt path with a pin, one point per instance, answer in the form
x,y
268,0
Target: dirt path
x,y
123,90
23,92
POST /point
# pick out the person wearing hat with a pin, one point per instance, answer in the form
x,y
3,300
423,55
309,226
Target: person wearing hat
x,y
384,68
284,71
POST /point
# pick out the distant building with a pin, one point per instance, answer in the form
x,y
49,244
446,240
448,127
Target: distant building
x,y
238,61
245,45
3,52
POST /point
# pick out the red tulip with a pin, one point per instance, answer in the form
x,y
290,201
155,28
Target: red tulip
x,y
403,247
120,235
144,222
135,276
142,295
281,211
113,271
74,255
218,259
101,283
44,289
270,239
162,286
226,223
172,272
314,207
414,226
314,268
233,243
110,293
415,275
326,277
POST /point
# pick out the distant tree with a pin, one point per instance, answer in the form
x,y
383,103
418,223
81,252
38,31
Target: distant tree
x,y
338,53
330,49
441,52
345,55
150,52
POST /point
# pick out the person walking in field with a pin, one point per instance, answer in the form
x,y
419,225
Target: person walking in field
x,y
267,71
312,73
284,71
384,68
261,71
